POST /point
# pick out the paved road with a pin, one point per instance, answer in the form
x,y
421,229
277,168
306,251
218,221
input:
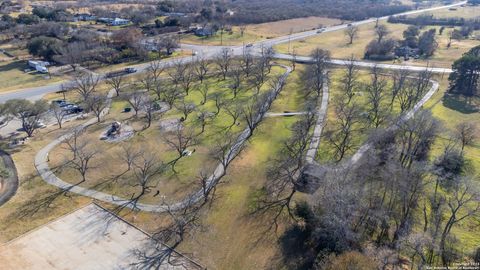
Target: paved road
x,y
307,34
210,51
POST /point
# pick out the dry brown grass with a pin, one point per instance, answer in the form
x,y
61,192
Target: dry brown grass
x,y
285,27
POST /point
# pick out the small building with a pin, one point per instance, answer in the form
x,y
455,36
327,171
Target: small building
x,y
118,22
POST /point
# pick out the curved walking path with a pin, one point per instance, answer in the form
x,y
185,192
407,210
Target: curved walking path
x,y
41,162
208,52
368,145
8,185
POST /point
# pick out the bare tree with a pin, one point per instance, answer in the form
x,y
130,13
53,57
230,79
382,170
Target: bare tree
x,y
155,70
352,33
116,83
201,67
158,89
236,86
179,141
242,29
203,90
223,61
416,136
234,111
258,78
72,54
82,154
185,108
187,79
180,223
136,100
85,84
219,102
283,173
349,81
58,112
399,83
169,43
177,72
315,75
381,31
464,203
466,133
130,153
149,106
29,113
226,149
253,111
266,57
294,59
148,82
246,62
97,104
171,95
377,113
341,135
145,166
203,117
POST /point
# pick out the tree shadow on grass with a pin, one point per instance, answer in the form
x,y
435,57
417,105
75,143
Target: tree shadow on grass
x,y
17,65
460,103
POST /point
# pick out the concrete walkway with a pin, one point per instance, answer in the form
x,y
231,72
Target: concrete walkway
x,y
317,132
41,163
364,148
9,185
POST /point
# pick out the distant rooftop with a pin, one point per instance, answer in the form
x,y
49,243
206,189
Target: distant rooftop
x,y
89,238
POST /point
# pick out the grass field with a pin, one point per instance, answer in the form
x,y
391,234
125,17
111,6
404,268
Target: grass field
x,y
12,77
111,178
466,12
233,238
336,43
227,242
258,32
452,111
35,202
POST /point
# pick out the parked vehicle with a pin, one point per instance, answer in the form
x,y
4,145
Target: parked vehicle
x,y
121,72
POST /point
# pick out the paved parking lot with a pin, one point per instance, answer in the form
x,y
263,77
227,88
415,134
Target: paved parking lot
x,y
89,238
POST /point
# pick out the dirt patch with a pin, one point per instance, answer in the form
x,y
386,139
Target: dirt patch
x,y
170,124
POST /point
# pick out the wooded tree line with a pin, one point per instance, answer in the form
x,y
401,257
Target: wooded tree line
x,y
398,206
465,78
385,48
264,11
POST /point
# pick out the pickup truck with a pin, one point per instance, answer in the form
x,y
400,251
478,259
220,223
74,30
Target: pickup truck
x,y
121,72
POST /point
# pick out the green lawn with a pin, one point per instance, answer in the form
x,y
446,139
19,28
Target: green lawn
x,y
170,184
13,77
